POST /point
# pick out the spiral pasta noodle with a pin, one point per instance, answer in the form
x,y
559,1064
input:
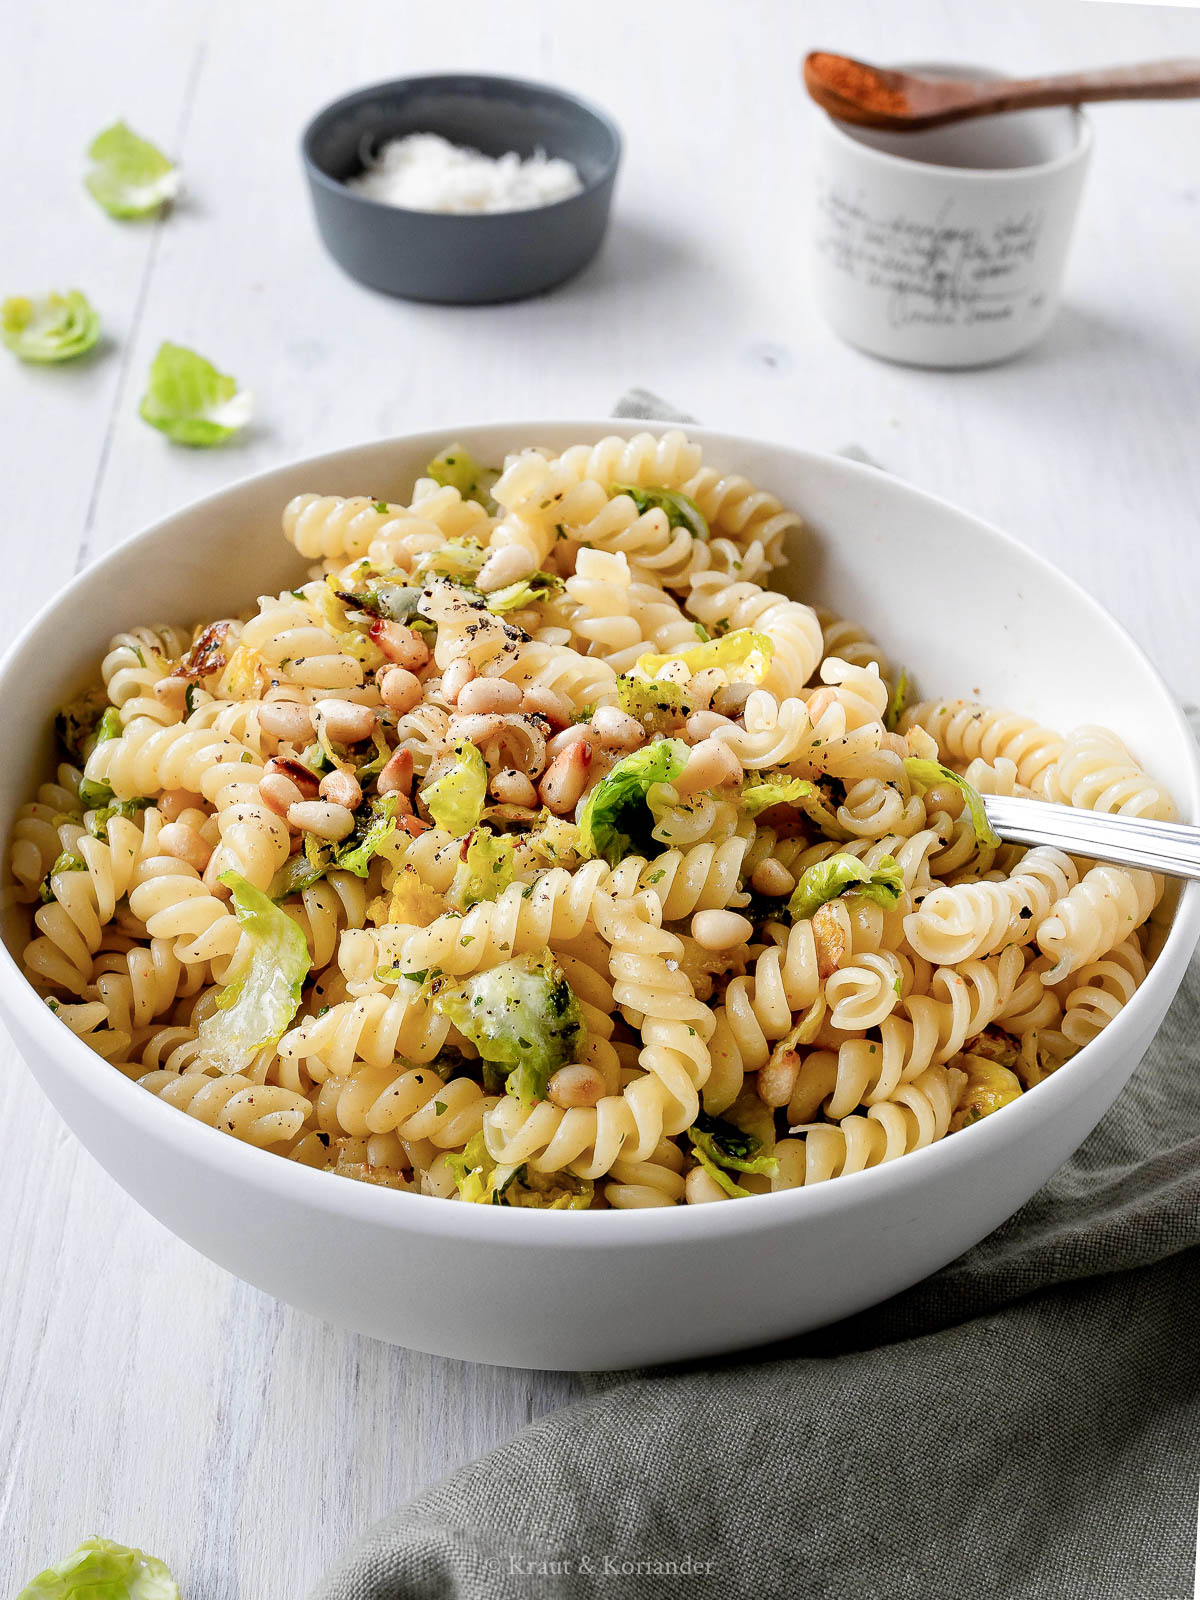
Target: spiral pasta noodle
x,y
532,851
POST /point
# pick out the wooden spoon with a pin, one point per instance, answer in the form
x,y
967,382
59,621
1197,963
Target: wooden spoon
x,y
881,97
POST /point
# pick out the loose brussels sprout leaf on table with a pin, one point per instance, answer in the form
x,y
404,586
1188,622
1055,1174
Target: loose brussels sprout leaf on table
x,y
190,401
129,176
54,327
101,1569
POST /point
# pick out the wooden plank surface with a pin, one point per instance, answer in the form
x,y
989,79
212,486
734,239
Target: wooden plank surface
x,y
143,1392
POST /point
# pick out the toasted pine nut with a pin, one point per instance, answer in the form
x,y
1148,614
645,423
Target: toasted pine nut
x,y
172,693
772,877
698,1188
542,702
400,644
179,840
509,564
343,789
829,939
565,779
396,777
489,694
777,1079
701,723
286,719
709,765
731,700
513,788
344,721
327,821
173,802
721,930
576,1086
456,676
279,793
399,689
616,729
303,777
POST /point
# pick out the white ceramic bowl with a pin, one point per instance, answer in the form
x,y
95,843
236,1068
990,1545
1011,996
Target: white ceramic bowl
x,y
967,608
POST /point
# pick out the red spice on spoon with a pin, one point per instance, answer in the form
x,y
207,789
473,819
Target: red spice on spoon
x,y
854,81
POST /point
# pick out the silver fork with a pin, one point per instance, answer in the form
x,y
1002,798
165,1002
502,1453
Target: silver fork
x,y
1172,848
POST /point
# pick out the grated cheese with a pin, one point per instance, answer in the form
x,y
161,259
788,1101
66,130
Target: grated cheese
x,y
424,172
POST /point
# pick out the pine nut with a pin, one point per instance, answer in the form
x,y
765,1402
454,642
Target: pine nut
x,y
701,723
777,1078
731,700
489,694
400,644
542,702
343,789
575,734
944,797
721,930
476,727
285,719
509,564
185,844
708,767
279,793
320,817
575,1086
699,1188
396,777
702,686
773,878
344,721
455,678
399,689
829,938
173,802
172,693
616,729
565,779
819,702
513,788
211,876
303,777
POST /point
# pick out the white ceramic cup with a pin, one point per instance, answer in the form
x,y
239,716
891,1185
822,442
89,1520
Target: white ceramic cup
x,y
945,248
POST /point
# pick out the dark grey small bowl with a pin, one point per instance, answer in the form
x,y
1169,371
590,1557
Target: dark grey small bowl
x,y
450,257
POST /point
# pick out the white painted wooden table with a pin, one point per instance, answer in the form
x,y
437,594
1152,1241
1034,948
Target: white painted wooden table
x,y
144,1393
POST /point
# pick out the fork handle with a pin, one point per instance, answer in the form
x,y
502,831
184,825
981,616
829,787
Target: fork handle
x,y
1172,848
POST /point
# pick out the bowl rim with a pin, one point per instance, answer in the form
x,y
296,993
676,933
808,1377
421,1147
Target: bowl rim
x,y
310,1189
375,91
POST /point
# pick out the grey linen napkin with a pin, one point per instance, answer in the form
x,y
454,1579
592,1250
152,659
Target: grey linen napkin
x,y
1024,1425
